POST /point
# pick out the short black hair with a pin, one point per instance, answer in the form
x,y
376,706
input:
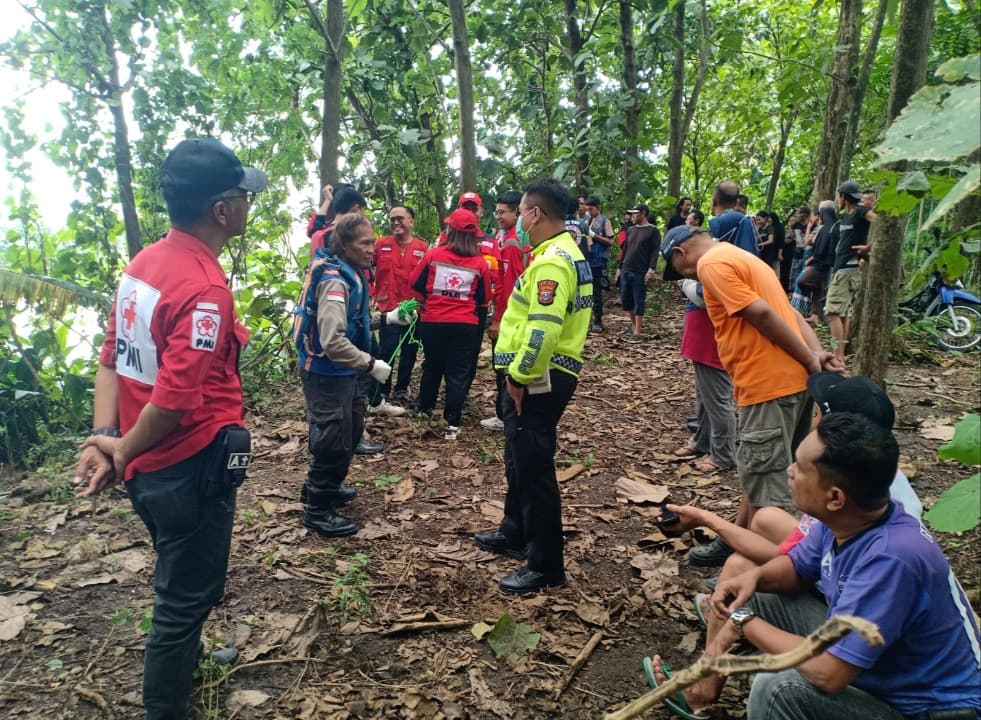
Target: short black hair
x,y
408,209
859,456
346,198
185,211
511,198
742,200
699,216
550,195
594,200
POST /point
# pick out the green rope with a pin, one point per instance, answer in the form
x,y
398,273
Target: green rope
x,y
407,307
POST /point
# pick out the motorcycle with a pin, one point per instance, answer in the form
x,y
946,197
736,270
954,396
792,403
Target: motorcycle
x,y
956,312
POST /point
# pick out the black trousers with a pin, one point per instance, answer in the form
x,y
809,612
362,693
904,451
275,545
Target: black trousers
x,y
388,338
335,412
449,354
500,379
478,342
533,504
598,271
192,534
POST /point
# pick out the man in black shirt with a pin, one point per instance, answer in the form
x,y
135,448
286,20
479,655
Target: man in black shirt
x,y
853,231
639,262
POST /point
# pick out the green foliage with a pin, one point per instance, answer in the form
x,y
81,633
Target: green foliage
x,y
351,598
959,507
966,445
510,639
383,482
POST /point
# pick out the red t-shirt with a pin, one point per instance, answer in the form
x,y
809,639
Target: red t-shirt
x,y
698,339
452,286
393,268
514,259
174,340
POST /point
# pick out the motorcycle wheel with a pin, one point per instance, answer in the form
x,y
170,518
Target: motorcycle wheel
x,y
958,327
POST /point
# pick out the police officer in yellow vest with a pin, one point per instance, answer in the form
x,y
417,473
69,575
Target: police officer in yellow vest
x,y
540,348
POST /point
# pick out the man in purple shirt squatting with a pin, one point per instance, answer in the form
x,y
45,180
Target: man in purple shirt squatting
x,y
874,561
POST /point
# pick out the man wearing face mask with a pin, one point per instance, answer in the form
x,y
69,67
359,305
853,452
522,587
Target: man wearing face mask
x,y
540,346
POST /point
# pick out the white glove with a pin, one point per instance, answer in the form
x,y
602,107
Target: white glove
x,y
690,289
380,370
394,317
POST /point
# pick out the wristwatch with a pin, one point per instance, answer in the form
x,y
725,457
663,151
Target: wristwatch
x,y
739,617
110,431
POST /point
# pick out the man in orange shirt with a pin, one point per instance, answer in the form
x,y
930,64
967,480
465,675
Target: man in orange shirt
x,y
768,349
396,256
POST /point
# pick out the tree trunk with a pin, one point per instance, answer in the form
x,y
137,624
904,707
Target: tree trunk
x,y
851,132
631,120
436,158
878,309
676,104
333,34
121,149
840,99
464,81
682,113
786,125
579,92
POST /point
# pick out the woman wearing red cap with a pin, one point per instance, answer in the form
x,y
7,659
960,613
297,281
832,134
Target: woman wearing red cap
x,y
454,282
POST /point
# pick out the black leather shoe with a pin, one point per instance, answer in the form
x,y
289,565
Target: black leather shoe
x,y
494,541
328,523
338,496
341,494
367,447
526,580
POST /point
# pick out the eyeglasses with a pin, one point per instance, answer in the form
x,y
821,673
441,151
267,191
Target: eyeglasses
x,y
498,213
249,198
397,219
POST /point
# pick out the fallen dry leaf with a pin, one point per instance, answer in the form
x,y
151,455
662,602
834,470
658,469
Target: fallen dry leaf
x,y
569,472
593,614
639,492
239,699
400,492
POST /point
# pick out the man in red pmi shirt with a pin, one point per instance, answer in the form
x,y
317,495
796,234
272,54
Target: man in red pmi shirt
x,y
396,256
168,407
514,259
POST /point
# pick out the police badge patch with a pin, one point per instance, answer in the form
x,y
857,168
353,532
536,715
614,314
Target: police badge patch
x,y
546,291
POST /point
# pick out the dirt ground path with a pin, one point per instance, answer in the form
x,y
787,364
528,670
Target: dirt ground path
x,y
325,628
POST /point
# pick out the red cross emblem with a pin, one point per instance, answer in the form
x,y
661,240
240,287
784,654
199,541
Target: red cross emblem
x,y
128,314
207,326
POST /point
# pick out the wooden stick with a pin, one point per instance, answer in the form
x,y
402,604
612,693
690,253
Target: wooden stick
x,y
580,660
814,644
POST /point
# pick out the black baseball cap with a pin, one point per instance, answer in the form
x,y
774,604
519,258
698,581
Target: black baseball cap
x,y
202,168
852,190
672,239
640,207
836,393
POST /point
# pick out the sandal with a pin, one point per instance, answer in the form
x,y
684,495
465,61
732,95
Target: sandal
x,y
677,705
706,465
699,613
687,451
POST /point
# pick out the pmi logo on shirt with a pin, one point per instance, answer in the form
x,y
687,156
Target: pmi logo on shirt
x,y
205,323
136,352
452,281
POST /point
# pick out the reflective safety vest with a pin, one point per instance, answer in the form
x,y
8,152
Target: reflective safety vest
x,y
306,333
548,313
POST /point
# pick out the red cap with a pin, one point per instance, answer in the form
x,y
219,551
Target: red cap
x,y
463,220
469,197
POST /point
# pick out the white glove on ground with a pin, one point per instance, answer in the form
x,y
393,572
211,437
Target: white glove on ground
x,y
380,370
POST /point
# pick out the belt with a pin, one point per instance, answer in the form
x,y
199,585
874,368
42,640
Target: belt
x,y
563,361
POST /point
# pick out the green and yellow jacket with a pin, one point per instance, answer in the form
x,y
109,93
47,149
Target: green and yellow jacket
x,y
548,313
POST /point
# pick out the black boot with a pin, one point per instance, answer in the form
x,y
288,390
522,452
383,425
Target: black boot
x,y
324,520
337,496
